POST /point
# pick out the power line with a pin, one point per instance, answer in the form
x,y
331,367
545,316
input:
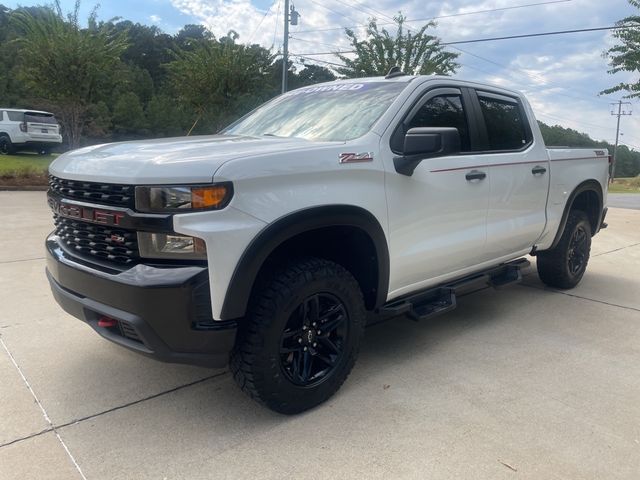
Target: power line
x,y
371,9
543,34
573,121
275,31
510,37
630,145
316,60
262,20
332,10
530,75
317,43
362,25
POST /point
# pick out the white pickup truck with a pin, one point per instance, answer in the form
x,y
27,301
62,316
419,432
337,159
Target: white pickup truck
x,y
275,241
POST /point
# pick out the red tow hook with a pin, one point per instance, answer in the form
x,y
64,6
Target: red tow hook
x,y
107,322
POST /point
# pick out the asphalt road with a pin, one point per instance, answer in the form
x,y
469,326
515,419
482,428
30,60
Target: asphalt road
x,y
624,200
520,383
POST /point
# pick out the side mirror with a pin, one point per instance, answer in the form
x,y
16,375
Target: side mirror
x,y
426,142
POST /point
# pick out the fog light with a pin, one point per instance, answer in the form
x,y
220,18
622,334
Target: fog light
x,y
165,245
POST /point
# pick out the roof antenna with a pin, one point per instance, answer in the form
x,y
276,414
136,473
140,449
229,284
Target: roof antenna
x,y
395,72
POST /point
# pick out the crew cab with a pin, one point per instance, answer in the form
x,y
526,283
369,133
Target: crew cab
x,y
272,243
28,130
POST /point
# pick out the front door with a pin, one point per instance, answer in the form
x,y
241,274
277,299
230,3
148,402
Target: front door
x,y
437,216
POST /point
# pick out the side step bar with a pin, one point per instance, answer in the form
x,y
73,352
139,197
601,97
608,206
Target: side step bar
x,y
436,301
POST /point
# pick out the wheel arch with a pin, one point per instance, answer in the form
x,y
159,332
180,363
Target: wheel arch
x,y
328,228
587,196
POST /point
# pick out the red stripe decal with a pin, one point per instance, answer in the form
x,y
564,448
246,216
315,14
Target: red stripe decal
x,y
514,163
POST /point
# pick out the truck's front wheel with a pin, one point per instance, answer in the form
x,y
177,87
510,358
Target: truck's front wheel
x,y
301,335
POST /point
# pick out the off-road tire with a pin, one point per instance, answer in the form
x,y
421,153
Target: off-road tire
x,y
6,147
554,266
256,362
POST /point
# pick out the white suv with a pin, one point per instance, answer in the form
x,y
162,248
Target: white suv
x,y
28,130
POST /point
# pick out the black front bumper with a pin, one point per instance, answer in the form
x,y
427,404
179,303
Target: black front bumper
x,y
160,311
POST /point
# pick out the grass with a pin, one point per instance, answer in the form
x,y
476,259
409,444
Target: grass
x,y
24,169
625,185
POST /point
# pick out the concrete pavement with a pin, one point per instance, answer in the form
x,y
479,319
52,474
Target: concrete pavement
x,y
624,200
524,382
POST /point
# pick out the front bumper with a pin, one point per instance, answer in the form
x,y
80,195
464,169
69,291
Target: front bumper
x,y
160,311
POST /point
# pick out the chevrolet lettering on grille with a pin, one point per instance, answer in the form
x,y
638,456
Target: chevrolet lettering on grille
x,y
87,214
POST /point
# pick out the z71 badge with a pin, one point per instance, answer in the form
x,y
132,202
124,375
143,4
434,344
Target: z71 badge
x,y
356,157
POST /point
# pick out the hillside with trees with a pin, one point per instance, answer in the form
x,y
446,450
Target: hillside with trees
x,y
628,163
118,80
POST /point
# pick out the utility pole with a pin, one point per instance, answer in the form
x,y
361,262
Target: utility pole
x,y
619,114
290,17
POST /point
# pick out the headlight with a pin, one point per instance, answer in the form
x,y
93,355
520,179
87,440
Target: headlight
x,y
171,246
182,199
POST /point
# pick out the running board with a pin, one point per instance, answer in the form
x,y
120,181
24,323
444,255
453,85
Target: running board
x,y
436,301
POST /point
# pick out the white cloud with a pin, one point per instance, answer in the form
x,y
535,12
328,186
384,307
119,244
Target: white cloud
x,y
155,18
561,74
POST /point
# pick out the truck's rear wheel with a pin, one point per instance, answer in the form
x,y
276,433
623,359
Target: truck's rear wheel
x,y
564,265
6,147
301,335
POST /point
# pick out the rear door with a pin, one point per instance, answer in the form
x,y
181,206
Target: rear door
x,y
519,167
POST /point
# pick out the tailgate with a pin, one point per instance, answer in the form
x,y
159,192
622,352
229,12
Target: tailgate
x,y
41,125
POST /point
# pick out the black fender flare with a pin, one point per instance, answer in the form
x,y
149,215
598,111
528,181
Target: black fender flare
x,y
586,186
287,227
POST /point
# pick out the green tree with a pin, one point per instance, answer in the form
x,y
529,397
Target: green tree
x,y
220,79
415,53
625,56
165,118
128,115
64,64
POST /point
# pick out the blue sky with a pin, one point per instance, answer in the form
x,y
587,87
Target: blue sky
x,y
560,74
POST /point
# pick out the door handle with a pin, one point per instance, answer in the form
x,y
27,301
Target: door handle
x,y
475,175
538,170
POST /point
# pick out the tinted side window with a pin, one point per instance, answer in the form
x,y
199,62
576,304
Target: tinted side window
x,y
16,116
444,111
505,125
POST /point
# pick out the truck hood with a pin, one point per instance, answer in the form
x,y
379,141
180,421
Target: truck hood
x,y
163,161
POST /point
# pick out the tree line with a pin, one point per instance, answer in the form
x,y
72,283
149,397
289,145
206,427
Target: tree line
x,y
118,80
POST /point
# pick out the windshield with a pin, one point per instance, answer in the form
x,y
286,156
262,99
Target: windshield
x,y
336,112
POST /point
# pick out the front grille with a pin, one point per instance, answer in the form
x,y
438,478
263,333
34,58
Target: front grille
x,y
105,243
101,193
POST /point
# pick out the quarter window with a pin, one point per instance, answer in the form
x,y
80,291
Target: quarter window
x,y
444,111
16,116
505,124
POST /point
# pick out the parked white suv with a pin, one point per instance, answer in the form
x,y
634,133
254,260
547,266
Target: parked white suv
x,y
28,130
327,207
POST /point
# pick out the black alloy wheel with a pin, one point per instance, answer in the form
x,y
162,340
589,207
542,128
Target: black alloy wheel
x,y
300,337
564,265
578,251
313,340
